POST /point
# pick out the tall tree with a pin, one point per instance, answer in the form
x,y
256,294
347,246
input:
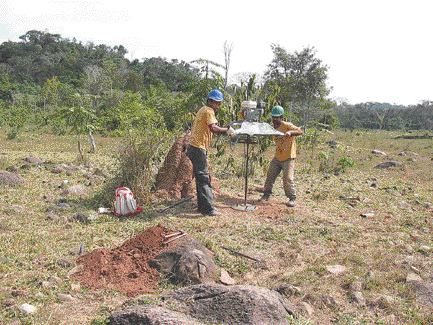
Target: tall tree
x,y
302,78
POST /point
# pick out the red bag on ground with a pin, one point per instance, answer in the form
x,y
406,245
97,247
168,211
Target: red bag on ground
x,y
124,203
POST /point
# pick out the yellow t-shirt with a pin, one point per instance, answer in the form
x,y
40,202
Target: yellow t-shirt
x,y
201,135
285,147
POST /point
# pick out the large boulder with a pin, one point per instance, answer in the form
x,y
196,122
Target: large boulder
x,y
150,315
188,263
238,304
388,164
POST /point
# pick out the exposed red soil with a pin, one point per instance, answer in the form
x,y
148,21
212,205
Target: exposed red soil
x,y
125,268
175,178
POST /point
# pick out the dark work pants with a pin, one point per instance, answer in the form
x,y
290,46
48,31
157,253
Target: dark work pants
x,y
202,179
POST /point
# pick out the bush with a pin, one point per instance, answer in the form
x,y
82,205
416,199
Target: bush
x,y
344,163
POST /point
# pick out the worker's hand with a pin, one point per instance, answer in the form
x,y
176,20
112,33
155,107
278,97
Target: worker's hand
x,y
230,132
288,134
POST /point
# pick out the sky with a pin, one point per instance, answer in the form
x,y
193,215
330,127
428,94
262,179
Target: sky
x,y
375,50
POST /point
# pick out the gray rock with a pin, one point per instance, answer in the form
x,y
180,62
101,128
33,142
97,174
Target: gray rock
x,y
412,277
423,292
150,315
10,179
238,304
289,290
367,214
384,302
189,262
76,190
388,164
378,152
65,263
306,309
329,301
80,217
336,269
225,278
356,286
28,309
59,169
358,297
65,297
33,160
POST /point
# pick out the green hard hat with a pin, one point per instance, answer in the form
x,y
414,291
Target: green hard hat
x,y
277,111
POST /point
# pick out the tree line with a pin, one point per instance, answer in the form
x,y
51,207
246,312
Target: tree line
x,y
84,88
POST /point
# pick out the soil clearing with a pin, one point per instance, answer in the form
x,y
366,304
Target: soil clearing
x,y
125,268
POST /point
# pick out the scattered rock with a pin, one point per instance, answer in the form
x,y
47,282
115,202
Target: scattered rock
x,y
65,263
63,205
384,302
76,190
413,277
425,249
403,153
76,287
58,169
336,269
388,164
428,205
189,262
64,183
83,217
289,290
225,278
77,269
367,215
356,286
238,304
378,152
47,284
33,160
423,292
9,302
152,315
329,301
65,297
10,179
306,308
19,293
39,295
358,297
28,309
54,279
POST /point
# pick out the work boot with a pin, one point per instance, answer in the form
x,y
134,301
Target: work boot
x,y
265,197
291,203
212,213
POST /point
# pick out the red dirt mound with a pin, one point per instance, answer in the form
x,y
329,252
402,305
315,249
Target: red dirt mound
x,y
175,178
125,268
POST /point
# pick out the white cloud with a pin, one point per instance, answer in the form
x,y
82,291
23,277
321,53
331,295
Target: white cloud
x,y
376,50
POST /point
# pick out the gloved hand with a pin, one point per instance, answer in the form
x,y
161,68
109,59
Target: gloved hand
x,y
230,132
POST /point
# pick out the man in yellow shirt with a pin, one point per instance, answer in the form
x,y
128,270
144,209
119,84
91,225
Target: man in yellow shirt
x,y
205,124
284,159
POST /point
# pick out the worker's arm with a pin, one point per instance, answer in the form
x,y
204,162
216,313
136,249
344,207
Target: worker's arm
x,y
294,133
217,129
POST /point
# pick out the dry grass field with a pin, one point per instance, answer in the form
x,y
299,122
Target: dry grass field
x,y
298,247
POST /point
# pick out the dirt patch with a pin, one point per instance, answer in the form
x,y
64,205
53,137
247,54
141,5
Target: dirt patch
x,y
175,179
125,268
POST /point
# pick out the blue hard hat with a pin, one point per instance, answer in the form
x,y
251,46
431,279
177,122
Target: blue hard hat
x,y
216,95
